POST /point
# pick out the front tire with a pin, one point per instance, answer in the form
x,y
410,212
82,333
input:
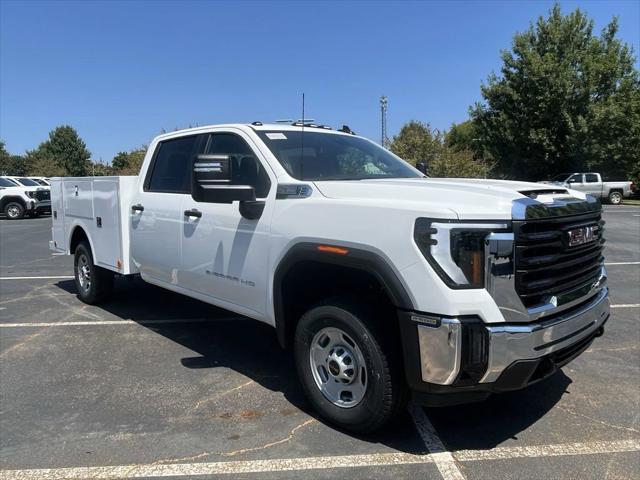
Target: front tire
x,y
14,210
615,198
94,284
349,366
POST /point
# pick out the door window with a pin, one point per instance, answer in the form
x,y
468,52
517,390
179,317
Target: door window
x,y
171,168
590,178
246,169
577,178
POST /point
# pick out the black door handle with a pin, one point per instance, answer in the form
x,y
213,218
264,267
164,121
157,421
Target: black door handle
x,y
193,213
137,208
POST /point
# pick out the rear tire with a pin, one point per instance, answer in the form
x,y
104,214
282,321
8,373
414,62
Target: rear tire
x,y
615,198
14,210
94,284
349,365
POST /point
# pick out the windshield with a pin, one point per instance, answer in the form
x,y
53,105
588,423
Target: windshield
x,y
27,182
561,178
5,182
325,156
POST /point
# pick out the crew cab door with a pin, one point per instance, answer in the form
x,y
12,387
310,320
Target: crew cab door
x,y
575,182
155,212
592,184
225,255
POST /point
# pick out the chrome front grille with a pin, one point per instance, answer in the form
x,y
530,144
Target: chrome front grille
x,y
546,265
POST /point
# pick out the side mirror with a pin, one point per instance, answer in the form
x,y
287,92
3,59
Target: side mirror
x,y
422,166
211,181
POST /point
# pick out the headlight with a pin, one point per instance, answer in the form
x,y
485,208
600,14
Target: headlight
x,y
31,194
455,249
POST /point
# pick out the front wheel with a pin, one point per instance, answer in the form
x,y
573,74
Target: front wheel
x,y
94,284
349,366
14,210
615,198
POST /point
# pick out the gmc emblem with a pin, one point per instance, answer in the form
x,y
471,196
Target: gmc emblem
x,y
582,235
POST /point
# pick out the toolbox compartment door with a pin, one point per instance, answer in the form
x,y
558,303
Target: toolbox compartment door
x,y
106,233
78,198
57,213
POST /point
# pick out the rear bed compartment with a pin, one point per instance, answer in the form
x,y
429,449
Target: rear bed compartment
x,y
100,206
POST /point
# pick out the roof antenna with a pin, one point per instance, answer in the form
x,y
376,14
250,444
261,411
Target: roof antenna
x,y
302,143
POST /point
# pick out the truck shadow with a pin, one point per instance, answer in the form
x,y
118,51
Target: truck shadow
x,y
220,338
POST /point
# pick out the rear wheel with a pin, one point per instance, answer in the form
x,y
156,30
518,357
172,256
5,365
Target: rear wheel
x,y
349,365
615,198
14,210
94,284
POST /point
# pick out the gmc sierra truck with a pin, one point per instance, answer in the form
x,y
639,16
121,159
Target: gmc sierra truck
x,y
382,281
16,200
592,183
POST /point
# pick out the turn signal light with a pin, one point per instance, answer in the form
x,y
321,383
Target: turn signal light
x,y
332,249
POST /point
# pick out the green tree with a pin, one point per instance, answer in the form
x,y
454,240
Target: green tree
x,y
129,163
462,136
416,142
43,164
458,164
566,99
63,154
14,165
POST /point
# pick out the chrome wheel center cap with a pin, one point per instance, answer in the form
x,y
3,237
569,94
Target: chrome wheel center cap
x,y
341,364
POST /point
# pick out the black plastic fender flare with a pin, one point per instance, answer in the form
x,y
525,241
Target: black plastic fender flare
x,y
365,260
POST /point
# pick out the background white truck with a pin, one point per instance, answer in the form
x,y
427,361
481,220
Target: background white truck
x,y
592,183
383,281
17,200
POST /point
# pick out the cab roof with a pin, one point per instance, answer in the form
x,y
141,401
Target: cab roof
x,y
255,126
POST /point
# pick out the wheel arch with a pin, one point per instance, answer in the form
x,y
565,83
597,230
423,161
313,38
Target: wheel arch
x,y
78,233
366,262
12,198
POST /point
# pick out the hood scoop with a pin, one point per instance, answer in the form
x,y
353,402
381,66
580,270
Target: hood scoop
x,y
543,191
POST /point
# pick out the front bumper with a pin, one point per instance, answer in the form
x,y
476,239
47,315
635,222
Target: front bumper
x,y
43,206
465,359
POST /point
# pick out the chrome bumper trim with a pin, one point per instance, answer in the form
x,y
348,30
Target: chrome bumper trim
x,y
510,343
440,340
440,348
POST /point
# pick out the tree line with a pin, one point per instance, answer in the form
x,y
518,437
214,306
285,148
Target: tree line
x,y
64,154
565,99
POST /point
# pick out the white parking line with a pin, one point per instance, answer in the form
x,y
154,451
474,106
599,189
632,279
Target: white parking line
x,y
626,305
621,263
558,450
443,459
114,322
315,463
38,278
619,211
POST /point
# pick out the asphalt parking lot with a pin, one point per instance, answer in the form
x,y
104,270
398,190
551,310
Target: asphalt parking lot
x,y
155,384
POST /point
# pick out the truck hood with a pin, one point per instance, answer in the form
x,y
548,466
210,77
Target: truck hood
x,y
465,198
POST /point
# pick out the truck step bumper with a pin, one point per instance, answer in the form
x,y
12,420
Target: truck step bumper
x,y
464,357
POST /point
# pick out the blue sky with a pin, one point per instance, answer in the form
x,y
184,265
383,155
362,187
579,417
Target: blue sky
x,y
120,71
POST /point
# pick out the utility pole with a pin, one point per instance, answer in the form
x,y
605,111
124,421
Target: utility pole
x,y
384,141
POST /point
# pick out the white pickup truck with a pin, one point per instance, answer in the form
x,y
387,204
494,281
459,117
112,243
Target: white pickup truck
x,y
383,281
592,183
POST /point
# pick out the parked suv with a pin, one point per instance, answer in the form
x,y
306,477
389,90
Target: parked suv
x,y
16,201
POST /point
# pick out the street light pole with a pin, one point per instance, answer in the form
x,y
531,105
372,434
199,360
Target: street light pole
x,y
383,119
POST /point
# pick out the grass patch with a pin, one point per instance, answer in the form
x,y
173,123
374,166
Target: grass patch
x,y
631,201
